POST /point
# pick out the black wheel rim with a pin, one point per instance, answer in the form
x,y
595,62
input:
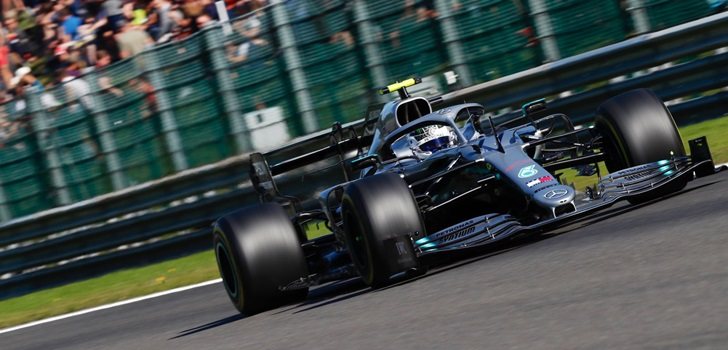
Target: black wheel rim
x,y
227,271
357,243
613,158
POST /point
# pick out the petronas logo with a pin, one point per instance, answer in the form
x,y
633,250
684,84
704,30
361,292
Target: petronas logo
x,y
527,171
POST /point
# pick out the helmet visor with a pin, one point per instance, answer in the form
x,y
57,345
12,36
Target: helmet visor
x,y
435,144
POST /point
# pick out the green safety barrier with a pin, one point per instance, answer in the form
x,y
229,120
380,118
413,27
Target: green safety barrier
x,y
495,38
409,38
273,75
128,102
668,13
21,178
325,44
73,136
583,25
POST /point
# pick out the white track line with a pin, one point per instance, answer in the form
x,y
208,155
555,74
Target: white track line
x,y
108,306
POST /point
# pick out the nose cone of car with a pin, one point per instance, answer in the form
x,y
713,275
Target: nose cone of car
x,y
554,196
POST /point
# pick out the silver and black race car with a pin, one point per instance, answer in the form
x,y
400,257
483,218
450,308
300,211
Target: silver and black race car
x,y
423,182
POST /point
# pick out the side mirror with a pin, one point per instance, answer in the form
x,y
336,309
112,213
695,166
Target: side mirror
x,y
533,107
365,162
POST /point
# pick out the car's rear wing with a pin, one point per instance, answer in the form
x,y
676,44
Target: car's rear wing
x,y
340,142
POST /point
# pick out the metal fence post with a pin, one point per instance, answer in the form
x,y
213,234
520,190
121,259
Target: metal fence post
x,y
47,146
215,44
294,66
371,48
164,106
103,128
636,9
4,210
544,29
451,39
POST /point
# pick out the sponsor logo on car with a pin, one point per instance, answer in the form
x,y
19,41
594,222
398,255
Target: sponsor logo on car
x,y
555,193
527,171
517,163
459,234
538,181
453,229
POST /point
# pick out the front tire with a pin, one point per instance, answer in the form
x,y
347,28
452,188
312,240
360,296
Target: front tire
x,y
380,215
637,128
258,252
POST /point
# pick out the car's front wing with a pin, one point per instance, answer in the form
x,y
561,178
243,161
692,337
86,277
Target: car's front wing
x,y
624,184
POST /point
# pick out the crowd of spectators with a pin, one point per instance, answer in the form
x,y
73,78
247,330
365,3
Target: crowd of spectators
x,y
43,42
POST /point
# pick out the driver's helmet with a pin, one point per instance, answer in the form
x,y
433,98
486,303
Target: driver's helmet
x,y
426,140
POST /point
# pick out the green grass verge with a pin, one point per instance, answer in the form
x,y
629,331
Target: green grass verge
x,y
201,267
116,286
713,129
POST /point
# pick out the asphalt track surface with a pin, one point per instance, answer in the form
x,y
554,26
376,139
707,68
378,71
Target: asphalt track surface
x,y
653,276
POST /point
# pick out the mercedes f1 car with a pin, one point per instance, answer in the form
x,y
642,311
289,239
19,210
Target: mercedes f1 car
x,y
421,182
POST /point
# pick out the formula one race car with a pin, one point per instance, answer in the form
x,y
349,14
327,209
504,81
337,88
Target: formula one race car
x,y
423,182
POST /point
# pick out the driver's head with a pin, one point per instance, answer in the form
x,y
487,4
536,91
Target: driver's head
x,y
426,140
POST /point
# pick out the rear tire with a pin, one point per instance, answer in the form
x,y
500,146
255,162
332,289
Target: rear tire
x,y
257,252
379,215
637,128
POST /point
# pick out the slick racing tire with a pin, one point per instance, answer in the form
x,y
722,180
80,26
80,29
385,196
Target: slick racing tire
x,y
258,252
637,128
379,216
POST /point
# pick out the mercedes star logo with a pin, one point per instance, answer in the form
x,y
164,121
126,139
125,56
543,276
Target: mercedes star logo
x,y
557,193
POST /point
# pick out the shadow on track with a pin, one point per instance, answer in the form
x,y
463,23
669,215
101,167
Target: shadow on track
x,y
210,325
613,212
331,294
339,291
355,287
349,288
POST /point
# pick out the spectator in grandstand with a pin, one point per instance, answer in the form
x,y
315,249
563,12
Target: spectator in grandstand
x,y
8,129
204,20
209,9
19,40
107,88
183,26
136,12
160,21
24,78
13,4
192,8
103,59
69,23
297,8
48,36
412,16
21,82
252,43
76,88
5,72
141,85
111,14
131,39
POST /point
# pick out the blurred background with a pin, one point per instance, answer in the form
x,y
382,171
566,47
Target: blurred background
x,y
126,125
98,96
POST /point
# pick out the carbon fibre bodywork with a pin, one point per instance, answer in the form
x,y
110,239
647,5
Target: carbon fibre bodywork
x,y
614,187
494,181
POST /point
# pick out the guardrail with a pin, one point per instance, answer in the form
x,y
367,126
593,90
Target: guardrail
x,y
171,216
